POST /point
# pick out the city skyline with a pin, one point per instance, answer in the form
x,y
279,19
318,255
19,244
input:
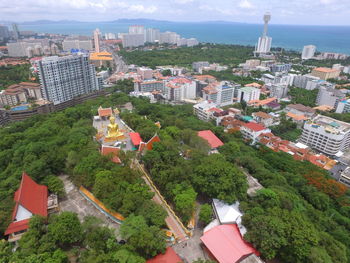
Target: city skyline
x,y
298,12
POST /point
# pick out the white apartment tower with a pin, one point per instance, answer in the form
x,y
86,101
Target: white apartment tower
x,y
63,78
264,43
137,29
326,135
308,52
97,35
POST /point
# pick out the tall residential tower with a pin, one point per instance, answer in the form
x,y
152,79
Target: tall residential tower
x,y
97,34
63,78
264,43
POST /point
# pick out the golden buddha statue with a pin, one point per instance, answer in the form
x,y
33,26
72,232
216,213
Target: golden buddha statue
x,y
113,132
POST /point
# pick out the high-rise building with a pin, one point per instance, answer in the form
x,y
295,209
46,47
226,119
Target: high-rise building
x,y
63,78
4,33
97,35
247,94
328,95
15,30
133,40
69,44
31,48
264,43
169,38
109,36
152,35
137,29
325,73
308,52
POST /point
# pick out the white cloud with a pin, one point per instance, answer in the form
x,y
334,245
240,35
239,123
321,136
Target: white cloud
x,y
183,1
245,4
143,9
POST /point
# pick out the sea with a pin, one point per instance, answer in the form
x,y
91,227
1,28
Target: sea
x,y
291,37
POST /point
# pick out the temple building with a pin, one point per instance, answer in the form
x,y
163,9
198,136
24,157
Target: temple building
x,y
31,199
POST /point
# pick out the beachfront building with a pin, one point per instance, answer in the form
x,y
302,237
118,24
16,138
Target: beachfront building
x,y
308,52
326,135
63,78
264,43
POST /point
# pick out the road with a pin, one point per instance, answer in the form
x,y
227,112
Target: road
x,y
120,65
172,222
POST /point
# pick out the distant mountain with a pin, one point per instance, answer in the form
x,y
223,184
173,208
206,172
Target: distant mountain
x,y
42,22
139,20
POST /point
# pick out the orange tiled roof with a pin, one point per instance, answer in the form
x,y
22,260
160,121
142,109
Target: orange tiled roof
x,y
296,116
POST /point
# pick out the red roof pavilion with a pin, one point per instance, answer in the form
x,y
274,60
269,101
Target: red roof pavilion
x,y
104,112
211,138
226,244
135,138
170,256
113,151
32,197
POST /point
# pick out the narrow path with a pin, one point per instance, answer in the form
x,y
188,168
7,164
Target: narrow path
x,y
172,222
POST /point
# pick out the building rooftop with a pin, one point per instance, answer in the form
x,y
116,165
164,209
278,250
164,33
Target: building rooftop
x,y
296,117
262,115
325,70
226,244
301,107
254,126
329,124
135,138
170,256
113,151
32,197
211,138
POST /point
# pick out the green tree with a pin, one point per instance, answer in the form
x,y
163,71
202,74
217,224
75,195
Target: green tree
x,y
65,228
206,213
144,239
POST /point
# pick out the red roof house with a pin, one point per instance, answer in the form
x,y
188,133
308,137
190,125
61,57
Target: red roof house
x,y
113,151
170,256
226,245
211,138
31,199
135,138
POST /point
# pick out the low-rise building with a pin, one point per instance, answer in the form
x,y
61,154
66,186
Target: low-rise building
x,y
263,118
296,118
213,141
300,109
20,93
278,91
325,73
343,106
345,177
149,85
204,110
251,131
101,59
326,135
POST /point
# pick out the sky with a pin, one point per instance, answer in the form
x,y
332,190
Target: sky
x,y
304,12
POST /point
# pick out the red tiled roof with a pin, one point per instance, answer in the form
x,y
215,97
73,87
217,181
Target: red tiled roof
x,y
211,138
104,112
113,151
216,110
17,226
170,256
135,138
226,244
154,139
254,126
32,196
